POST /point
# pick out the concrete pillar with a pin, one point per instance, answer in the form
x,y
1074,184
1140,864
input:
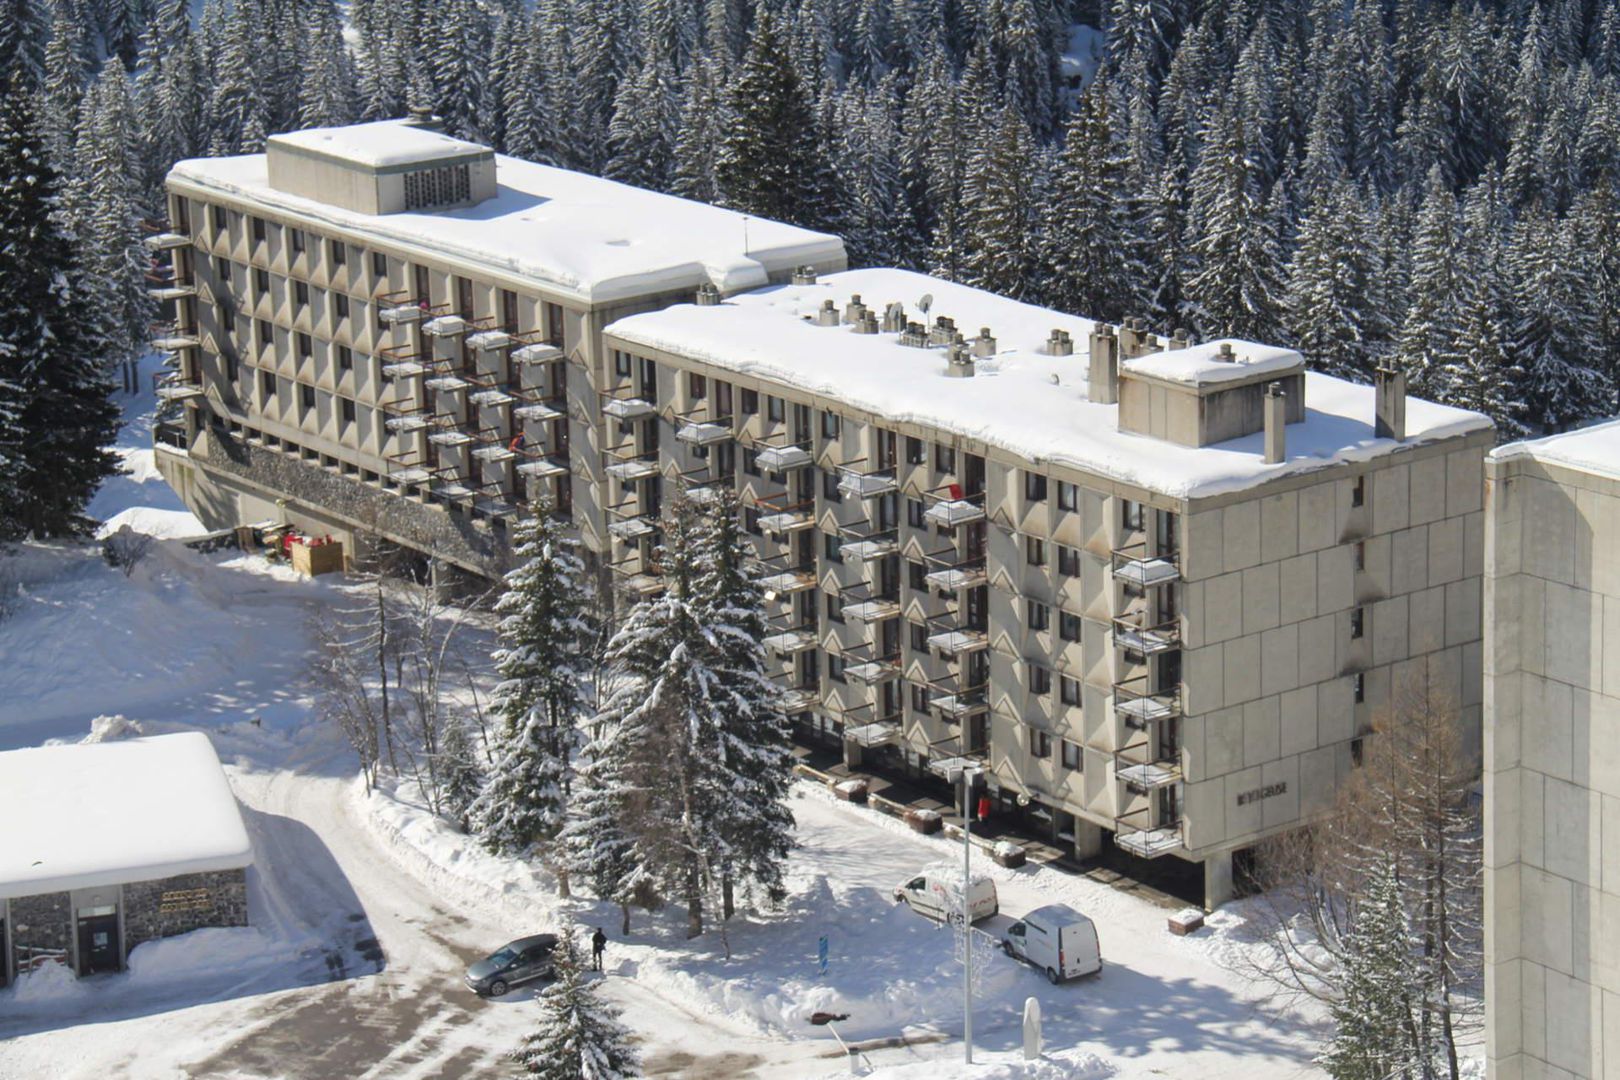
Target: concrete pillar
x,y
1217,880
1276,423
852,754
1088,839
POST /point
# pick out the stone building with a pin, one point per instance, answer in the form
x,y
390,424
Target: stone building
x,y
1552,757
110,845
382,330
1160,590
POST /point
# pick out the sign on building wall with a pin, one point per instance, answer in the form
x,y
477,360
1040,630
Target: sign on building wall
x,y
1256,794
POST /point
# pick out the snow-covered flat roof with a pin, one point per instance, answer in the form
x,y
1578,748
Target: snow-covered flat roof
x,y
1203,364
1594,449
582,236
379,144
1032,405
86,815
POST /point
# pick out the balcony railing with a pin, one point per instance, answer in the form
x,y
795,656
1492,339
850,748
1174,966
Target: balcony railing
x,y
1129,633
1135,565
1147,765
1137,833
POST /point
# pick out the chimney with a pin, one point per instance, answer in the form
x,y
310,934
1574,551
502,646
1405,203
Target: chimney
x,y
1150,343
867,323
959,359
804,275
915,335
1129,338
708,295
1276,423
828,315
1059,343
422,117
1389,396
854,309
1225,354
1103,380
984,344
894,318
1182,338
943,332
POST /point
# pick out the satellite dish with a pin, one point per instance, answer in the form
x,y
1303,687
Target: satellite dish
x,y
926,302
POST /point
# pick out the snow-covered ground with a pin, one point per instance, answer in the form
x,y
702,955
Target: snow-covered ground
x,y
365,911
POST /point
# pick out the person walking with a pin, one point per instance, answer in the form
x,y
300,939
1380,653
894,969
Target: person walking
x,y
598,946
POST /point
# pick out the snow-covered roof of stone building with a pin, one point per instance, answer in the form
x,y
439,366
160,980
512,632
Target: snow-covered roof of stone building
x,y
380,144
1594,449
1021,400
86,815
582,236
1202,364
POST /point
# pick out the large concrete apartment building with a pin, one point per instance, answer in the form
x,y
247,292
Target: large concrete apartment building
x,y
1552,757
1158,589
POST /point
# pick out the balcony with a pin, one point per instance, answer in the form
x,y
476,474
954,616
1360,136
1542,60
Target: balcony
x,y
491,398
1146,766
874,610
782,458
402,314
873,672
1139,709
869,548
450,437
702,434
1135,566
179,392
954,512
1147,640
489,340
176,340
403,369
410,422
800,699
165,293
543,468
961,705
955,578
447,384
958,642
640,583
628,472
537,353
628,409
859,485
882,733
166,241
786,521
1149,843
790,642
631,529
787,582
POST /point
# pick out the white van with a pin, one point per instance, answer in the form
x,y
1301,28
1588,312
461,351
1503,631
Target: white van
x,y
1056,939
936,891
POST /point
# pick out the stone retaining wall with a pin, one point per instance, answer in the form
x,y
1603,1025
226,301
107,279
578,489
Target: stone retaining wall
x,y
178,905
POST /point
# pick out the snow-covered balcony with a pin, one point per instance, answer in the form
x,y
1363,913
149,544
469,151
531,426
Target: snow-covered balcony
x,y
1146,766
1135,566
629,409
175,341
445,326
489,340
450,437
870,548
538,411
954,578
494,455
1147,640
539,353
782,458
1139,710
954,512
642,584
630,529
702,434
403,369
165,293
859,485
628,472
166,241
1150,843
179,392
874,610
400,314
957,642
490,398
872,672
788,642
412,422
800,699
543,469
447,384
960,706
786,521
453,491
412,474
787,582
870,735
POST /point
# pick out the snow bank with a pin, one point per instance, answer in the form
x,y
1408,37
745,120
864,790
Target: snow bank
x,y
1062,1065
50,982
205,953
163,524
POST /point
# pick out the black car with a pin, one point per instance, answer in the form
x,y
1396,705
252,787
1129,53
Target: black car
x,y
520,961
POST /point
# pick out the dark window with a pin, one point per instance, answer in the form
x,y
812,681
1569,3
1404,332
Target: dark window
x,y
918,574
1068,561
222,269
509,311
773,409
295,237
750,402
261,281
1357,622
1040,744
340,305
1068,496
267,334
345,357
1357,752
919,698
1068,626
1361,555
464,298
697,387
1358,493
221,220
751,520
1359,684
622,364
257,224
267,384
944,459
830,425
1040,679
835,607
1040,616
301,293
1071,756
835,667
340,252
919,636
1034,487
1035,551
232,371
914,451
554,325
306,397
1068,690
829,487
750,461
914,513
348,410
833,547
379,264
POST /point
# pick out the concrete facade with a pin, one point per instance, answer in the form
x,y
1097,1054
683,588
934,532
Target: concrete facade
x,y
1552,759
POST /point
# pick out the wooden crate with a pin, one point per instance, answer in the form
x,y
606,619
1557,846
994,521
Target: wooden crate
x,y
321,559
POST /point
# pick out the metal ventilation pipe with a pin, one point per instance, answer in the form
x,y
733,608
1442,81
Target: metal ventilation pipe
x,y
1276,423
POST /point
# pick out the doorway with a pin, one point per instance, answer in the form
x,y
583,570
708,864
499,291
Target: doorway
x,y
98,941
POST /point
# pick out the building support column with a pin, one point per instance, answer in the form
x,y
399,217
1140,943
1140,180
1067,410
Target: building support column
x,y
1088,839
852,754
1217,880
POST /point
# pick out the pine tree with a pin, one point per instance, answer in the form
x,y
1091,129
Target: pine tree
x,y
1237,289
1481,371
1087,246
643,133
1372,1020
24,26
460,771
1555,334
1433,317
67,69
579,1035
1332,310
1000,239
326,95
698,138
64,416
459,65
240,107
545,639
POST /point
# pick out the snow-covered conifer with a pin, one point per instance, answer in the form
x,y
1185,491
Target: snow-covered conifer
x,y
1372,1020
460,771
1433,313
1086,248
579,1035
1000,240
1332,313
642,137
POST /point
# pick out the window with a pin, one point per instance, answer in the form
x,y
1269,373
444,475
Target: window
x,y
232,371
340,305
621,364
750,402
914,513
345,357
1357,623
1130,513
1068,690
306,348
267,384
1361,555
774,409
257,225
1358,493
295,238
261,281
835,607
944,459
919,698
1034,551
1040,679
267,334
697,386
914,451
1040,744
348,410
1034,487
830,489
835,667
222,269
1068,626
1068,496
221,219
301,293
306,397
340,252
919,636
1068,561
830,425
379,264
1357,752
1071,756
1358,683
554,325
917,574
833,547
750,461
1040,616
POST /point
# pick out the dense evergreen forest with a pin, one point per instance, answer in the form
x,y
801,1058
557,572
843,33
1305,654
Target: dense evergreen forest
x,y
1429,182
